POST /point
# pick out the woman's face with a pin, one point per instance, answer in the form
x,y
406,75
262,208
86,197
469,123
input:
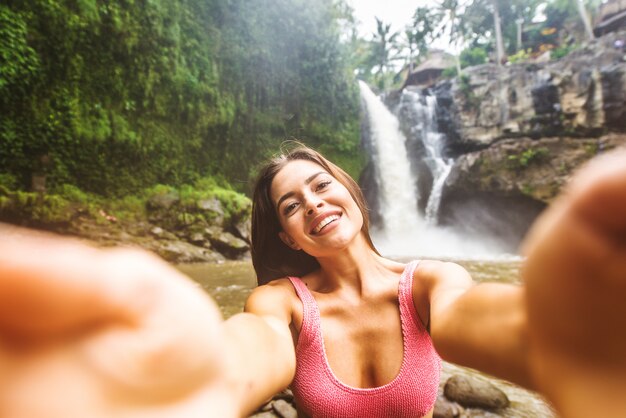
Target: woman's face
x,y
316,212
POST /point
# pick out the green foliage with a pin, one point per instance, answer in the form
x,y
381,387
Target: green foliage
x,y
117,96
473,56
450,72
8,181
19,63
479,21
528,157
37,208
520,56
563,50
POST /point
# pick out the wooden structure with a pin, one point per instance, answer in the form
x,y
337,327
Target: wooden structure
x,y
429,71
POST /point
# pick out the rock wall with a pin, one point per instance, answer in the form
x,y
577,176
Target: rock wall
x,y
581,95
518,132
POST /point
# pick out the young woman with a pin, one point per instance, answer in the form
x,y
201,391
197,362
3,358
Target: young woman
x,y
359,323
87,332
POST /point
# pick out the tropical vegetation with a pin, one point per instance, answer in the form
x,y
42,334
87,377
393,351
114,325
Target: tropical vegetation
x,y
108,99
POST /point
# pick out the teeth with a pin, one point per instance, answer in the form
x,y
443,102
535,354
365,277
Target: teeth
x,y
325,222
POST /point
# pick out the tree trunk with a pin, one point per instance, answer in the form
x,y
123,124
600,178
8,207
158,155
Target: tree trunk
x,y
585,18
499,42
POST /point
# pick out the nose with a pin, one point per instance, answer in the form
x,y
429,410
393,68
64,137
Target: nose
x,y
313,205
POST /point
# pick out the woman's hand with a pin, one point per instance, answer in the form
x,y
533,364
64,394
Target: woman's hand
x,y
102,333
576,293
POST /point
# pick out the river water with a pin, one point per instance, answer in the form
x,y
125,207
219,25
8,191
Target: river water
x,y
230,283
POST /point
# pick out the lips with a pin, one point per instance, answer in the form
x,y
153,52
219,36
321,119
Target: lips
x,y
322,221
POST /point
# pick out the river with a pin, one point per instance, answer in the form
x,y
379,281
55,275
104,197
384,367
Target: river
x,y
230,283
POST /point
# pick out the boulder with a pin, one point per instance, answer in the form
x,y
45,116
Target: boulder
x,y
163,201
264,414
213,209
183,252
445,408
475,393
243,229
284,409
226,243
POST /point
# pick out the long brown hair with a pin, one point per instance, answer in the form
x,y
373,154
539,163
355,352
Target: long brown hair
x,y
271,257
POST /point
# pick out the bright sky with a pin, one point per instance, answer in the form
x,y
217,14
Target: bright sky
x,y
398,13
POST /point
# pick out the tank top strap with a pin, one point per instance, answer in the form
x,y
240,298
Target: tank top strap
x,y
310,314
405,295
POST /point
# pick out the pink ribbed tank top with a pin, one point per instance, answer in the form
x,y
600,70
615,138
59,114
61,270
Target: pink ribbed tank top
x,y
412,393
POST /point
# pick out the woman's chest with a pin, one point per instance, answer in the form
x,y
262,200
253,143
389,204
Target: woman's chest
x,y
363,346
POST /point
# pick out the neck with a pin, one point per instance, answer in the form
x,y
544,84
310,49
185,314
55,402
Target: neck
x,y
352,267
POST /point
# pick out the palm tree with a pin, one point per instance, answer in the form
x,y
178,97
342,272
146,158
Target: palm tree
x,y
450,21
384,43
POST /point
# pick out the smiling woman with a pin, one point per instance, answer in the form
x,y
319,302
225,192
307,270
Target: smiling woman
x,y
271,256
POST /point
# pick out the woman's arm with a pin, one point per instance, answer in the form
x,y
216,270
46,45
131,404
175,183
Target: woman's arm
x,y
563,332
101,333
260,341
482,326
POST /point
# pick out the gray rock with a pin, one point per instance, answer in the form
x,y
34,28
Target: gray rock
x,y
471,392
446,409
265,414
163,201
284,409
267,407
286,394
198,238
243,229
580,94
183,252
479,413
214,208
160,233
226,243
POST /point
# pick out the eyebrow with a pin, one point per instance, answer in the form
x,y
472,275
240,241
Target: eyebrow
x,y
306,182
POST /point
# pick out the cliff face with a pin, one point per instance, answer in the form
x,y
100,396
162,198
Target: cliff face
x,y
519,131
581,95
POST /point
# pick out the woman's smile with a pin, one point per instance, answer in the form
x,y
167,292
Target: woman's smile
x,y
325,222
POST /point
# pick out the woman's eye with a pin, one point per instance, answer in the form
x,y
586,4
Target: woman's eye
x,y
322,185
289,208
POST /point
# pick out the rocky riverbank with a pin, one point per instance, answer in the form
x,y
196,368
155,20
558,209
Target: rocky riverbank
x,y
178,227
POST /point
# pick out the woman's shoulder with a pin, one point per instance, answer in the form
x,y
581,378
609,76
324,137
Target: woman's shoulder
x,y
430,275
277,293
277,298
437,269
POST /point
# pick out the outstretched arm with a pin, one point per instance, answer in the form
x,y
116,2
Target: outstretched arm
x,y
100,333
563,332
482,326
575,277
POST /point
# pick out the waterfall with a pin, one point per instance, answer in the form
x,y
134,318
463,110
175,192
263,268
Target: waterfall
x,y
423,110
401,232
397,191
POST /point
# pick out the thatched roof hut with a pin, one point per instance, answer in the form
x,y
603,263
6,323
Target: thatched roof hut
x,y
429,71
